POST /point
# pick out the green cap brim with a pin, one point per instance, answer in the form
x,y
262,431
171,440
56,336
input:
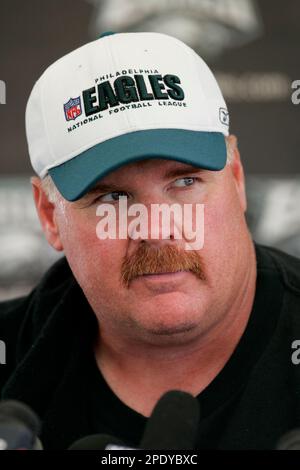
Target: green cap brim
x,y
75,177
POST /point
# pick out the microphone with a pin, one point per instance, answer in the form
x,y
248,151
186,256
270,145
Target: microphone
x,y
19,427
289,441
172,425
98,442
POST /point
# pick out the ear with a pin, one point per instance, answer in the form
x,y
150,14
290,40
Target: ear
x,y
238,171
46,213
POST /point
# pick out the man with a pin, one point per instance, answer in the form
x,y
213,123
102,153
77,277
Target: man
x,y
120,321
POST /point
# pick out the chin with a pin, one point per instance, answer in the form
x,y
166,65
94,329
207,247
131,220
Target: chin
x,y
170,321
172,330
175,308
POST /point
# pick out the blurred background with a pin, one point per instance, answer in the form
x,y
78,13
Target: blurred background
x,y
251,45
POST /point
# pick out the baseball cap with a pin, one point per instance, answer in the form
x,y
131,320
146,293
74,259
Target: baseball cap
x,y
119,99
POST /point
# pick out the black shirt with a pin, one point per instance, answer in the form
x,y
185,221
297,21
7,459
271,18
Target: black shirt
x,y
252,402
109,415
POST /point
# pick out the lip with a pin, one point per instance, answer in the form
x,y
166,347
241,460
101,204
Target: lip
x,y
163,283
164,277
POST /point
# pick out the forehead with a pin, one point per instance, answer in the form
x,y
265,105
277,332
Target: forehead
x,y
152,166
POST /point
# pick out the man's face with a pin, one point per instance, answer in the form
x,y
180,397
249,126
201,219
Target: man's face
x,y
162,305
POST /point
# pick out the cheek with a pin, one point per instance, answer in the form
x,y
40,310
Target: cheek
x,y
78,233
223,217
225,232
93,261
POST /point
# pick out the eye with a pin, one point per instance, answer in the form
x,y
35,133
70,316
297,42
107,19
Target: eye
x,y
186,181
112,197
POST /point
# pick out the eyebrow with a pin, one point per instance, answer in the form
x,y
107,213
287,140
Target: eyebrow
x,y
182,171
100,187
173,173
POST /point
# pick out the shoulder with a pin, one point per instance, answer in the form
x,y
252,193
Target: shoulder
x,y
286,265
287,269
11,314
22,319
34,308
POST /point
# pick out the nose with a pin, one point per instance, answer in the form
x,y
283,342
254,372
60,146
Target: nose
x,y
159,224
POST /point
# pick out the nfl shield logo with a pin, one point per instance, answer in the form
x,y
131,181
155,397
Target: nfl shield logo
x,y
72,109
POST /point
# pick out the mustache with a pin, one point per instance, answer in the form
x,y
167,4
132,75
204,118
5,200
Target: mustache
x,y
152,260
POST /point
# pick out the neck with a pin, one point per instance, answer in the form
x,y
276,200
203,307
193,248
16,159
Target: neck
x,y
189,364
